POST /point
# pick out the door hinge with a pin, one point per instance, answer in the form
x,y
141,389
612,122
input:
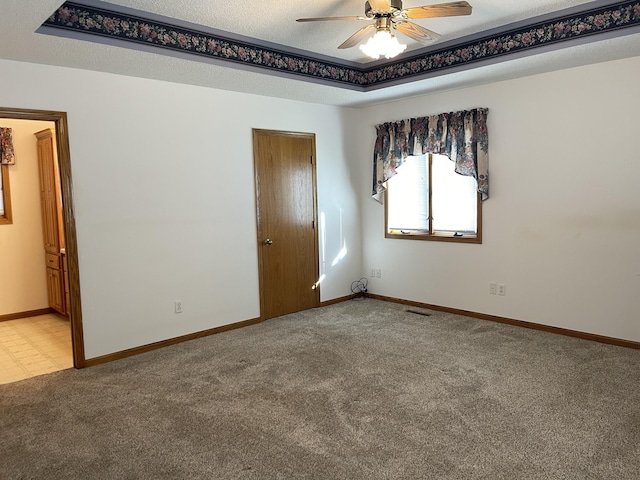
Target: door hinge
x,y
313,224
311,158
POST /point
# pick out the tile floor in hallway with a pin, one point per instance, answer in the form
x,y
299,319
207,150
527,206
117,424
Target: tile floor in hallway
x,y
34,346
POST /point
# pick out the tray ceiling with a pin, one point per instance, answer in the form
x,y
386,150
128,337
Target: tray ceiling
x,y
267,52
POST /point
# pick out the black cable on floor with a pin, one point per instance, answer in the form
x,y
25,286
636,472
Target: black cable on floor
x,y
359,287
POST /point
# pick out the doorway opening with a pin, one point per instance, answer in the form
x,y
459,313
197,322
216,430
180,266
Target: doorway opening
x,y
63,271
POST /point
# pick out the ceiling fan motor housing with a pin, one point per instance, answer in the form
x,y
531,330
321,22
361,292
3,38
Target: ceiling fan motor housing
x,y
395,6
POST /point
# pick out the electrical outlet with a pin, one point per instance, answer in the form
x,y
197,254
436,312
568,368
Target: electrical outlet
x,y
178,306
373,273
502,289
378,272
493,288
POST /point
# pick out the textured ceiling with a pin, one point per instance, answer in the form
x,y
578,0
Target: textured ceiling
x,y
275,22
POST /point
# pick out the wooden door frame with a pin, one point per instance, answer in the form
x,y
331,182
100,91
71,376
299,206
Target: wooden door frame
x,y
260,237
71,239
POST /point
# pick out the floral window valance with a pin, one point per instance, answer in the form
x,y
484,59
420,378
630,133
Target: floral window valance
x,y
7,155
461,136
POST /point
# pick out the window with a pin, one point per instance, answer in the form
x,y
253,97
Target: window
x,y
5,197
427,200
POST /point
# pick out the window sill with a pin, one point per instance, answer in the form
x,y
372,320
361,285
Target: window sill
x,y
435,237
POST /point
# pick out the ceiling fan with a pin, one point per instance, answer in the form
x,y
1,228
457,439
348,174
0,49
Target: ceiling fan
x,y
389,14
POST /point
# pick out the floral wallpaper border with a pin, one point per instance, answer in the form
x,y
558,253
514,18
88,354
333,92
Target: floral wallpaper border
x,y
74,16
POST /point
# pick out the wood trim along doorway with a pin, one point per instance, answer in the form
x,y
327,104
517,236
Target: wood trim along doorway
x,y
287,221
71,240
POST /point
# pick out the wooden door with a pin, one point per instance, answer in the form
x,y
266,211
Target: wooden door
x,y
48,192
286,219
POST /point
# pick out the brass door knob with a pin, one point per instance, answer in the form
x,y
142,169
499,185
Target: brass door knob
x,y
268,242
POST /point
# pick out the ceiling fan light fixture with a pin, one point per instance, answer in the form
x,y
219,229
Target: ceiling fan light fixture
x,y
383,44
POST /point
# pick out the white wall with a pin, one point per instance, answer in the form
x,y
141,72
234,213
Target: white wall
x,y
23,277
562,226
164,197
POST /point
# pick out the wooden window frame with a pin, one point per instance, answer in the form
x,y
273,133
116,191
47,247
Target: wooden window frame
x,y
7,218
431,235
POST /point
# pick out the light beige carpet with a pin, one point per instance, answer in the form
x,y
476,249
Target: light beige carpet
x,y
357,390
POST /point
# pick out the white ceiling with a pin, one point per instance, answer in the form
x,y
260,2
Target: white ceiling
x,y
274,21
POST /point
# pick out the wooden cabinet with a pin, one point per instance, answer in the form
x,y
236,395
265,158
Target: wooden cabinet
x,y
52,227
55,289
49,193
